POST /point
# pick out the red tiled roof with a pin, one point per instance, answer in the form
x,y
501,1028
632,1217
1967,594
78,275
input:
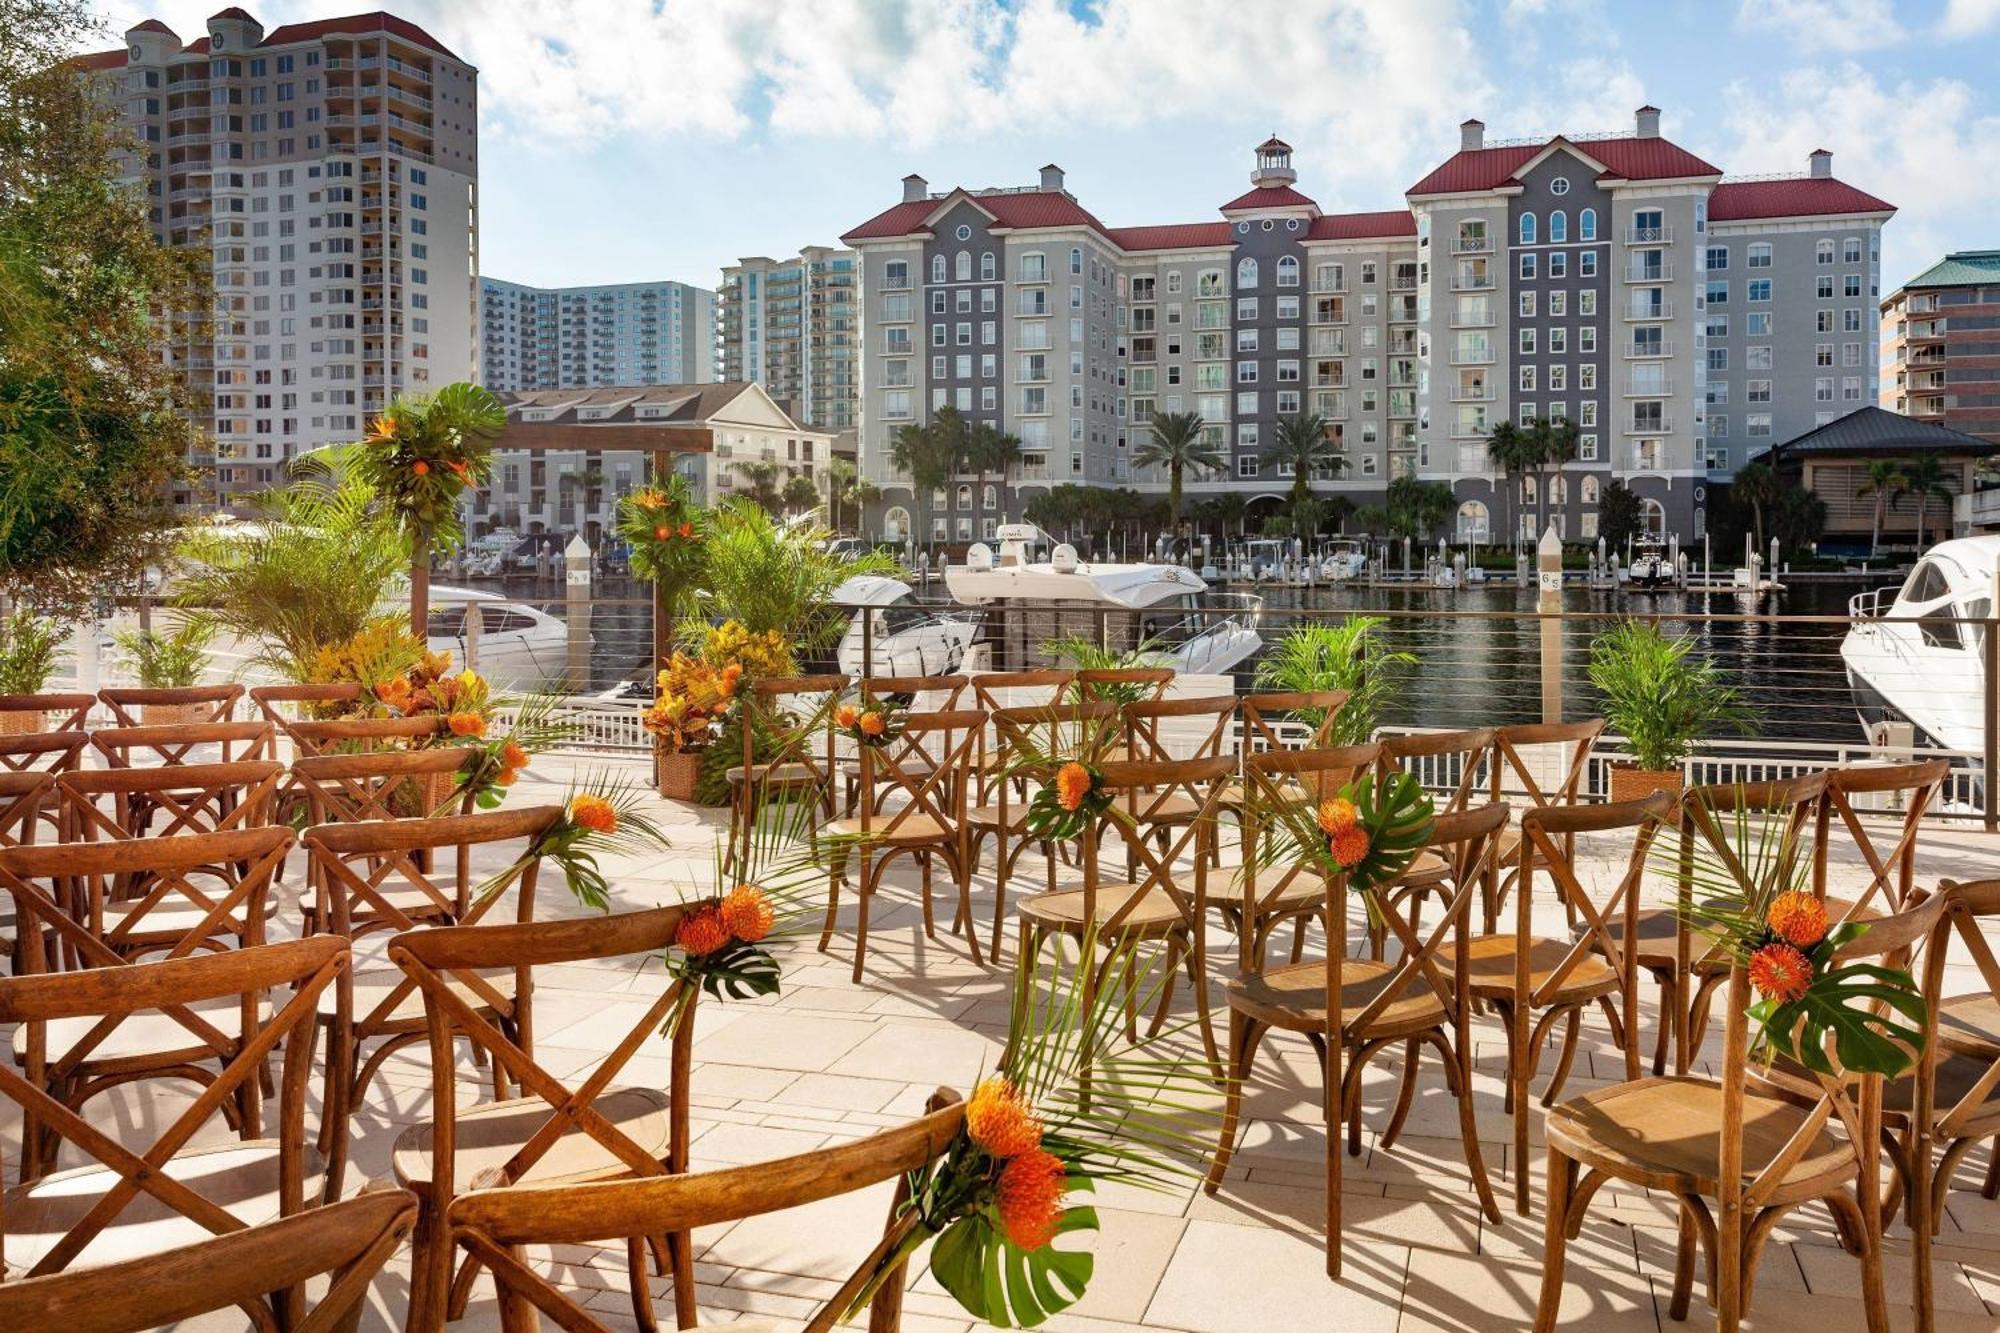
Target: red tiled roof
x,y
152,25
1806,197
234,12
97,60
1171,236
1354,226
379,21
1032,208
1269,196
198,47
1631,158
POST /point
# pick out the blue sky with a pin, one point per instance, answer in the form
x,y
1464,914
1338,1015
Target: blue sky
x,y
641,141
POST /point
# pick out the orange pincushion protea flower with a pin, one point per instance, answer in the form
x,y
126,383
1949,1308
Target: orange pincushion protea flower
x,y
1000,1122
594,813
847,716
873,724
421,468
687,529
467,724
1072,785
662,533
701,932
1780,972
1349,846
1029,1198
513,756
507,776
1799,919
1336,815
746,913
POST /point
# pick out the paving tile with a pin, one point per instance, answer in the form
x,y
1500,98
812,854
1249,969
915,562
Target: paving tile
x,y
777,1040
1231,1279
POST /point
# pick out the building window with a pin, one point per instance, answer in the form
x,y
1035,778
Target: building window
x,y
1558,227
1850,250
1586,225
1586,265
937,268
1288,272
1759,255
1246,465
1527,229
1718,258
1757,289
1823,252
1528,265
1075,260
1246,274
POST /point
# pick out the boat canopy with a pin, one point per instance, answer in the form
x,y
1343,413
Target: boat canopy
x,y
1134,587
870,590
1967,563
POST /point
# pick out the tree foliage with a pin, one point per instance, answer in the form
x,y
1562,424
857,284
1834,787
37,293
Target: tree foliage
x,y
1619,515
94,429
770,576
1179,442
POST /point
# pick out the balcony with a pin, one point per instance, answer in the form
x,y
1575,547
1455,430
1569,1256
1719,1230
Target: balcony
x,y
1472,282
1649,236
1662,388
1653,310
1473,321
1650,273
1472,245
1660,425
1477,393
1648,350
1475,356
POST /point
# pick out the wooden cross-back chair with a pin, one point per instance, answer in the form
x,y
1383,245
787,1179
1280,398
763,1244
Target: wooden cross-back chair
x,y
136,707
995,691
788,748
1892,875
285,706
346,1243
1759,1142
1154,904
24,799
913,791
1264,715
920,694
1273,778
128,1202
1161,731
28,714
1449,764
559,1131
496,1225
1528,977
76,1060
184,743
360,867
115,804
43,751
1521,773
383,785
1352,1009
1019,734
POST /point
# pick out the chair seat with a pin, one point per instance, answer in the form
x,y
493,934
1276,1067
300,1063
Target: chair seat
x,y
1062,910
915,830
1161,808
1957,1076
1294,998
406,898
171,919
1427,868
1971,1024
988,817
1666,1133
372,988
1490,968
143,1040
489,1134
240,1177
791,774
1655,933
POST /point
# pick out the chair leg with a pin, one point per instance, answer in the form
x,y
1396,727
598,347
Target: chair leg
x,y
1243,1037
641,1289
1564,1061
1991,1189
1686,1247
1562,1178
930,921
871,874
835,873
1406,1095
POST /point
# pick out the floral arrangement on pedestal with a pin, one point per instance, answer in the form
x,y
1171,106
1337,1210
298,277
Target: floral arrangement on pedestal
x,y
694,713
667,533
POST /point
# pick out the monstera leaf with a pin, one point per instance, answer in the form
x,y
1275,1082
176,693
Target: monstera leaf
x,y
1841,1000
1398,815
1005,1286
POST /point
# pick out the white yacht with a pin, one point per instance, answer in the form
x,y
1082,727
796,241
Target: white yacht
x,y
1914,653
521,647
1343,560
1131,605
905,638
1652,567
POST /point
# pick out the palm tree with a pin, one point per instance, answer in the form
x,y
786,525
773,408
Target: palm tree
x,y
1926,478
1885,482
761,482
840,474
1758,486
1511,453
931,454
1179,444
1556,443
800,495
1302,441
989,449
1227,510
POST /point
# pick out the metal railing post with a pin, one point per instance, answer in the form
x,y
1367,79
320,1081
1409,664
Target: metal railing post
x,y
867,643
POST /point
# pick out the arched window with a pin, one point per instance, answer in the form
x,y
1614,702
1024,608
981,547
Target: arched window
x,y
965,497
1288,272
896,524
986,266
1558,491
1558,227
991,498
964,266
1586,225
1653,517
1473,522
1527,228
1527,490
1246,274
1589,489
1823,252
937,268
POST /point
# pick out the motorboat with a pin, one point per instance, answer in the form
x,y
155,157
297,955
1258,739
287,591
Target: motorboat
x,y
1166,613
1915,653
520,648
1263,559
1343,560
890,635
1652,567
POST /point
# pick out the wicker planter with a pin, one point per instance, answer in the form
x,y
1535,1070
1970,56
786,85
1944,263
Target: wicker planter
x,y
679,774
173,715
420,796
25,722
1629,782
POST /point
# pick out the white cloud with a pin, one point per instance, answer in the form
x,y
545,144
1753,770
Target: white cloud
x,y
1824,25
1968,18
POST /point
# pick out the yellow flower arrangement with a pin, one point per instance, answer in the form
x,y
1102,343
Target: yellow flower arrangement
x,y
759,655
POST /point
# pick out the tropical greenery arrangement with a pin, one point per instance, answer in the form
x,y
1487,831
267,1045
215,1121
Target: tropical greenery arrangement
x,y
1078,652
28,643
695,695
1364,836
601,816
768,576
666,530
1352,655
875,724
173,660
1070,803
1659,696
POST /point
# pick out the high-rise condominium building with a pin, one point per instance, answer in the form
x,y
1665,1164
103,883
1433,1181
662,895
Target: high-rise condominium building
x,y
793,326
594,337
1941,344
331,167
1682,321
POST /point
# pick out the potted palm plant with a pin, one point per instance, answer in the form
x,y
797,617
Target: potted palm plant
x,y
27,660
1661,699
169,662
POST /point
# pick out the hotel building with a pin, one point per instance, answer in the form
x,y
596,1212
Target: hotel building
x,y
1941,345
793,326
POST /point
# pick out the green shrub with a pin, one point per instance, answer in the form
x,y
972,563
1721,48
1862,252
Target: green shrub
x,y
27,652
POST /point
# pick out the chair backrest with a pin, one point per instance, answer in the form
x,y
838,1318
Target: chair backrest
x,y
23,798
995,690
198,703
1465,839
57,712
1261,714
100,803
43,751
283,706
1163,729
379,784
1520,766
433,958
44,879
350,735
1968,908
346,1242
494,1224
912,690
290,977
1141,789
1274,778
185,742
1892,876
770,712
927,765
1446,762
362,866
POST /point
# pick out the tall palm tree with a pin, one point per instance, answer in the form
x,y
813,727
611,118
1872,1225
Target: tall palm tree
x,y
1227,510
761,482
1511,453
840,474
991,451
1926,475
1556,443
932,454
1757,485
800,495
1303,442
1885,482
1178,444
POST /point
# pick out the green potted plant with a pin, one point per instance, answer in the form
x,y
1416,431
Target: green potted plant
x,y
27,659
1662,699
1353,656
169,662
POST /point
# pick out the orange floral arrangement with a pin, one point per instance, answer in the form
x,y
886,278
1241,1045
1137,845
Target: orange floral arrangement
x,y
721,944
1070,803
874,723
594,813
694,697
1073,783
